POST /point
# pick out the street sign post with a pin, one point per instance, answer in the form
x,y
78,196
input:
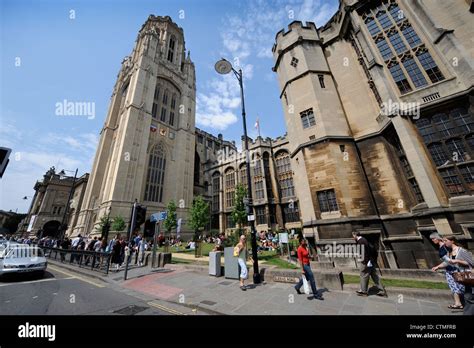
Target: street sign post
x,y
157,218
283,238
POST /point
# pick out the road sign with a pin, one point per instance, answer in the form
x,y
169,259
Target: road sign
x,y
158,216
251,218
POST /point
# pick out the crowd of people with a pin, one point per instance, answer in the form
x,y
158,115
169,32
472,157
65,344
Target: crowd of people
x,y
118,247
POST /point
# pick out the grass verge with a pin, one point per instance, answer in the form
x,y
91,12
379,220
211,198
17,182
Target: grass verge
x,y
401,283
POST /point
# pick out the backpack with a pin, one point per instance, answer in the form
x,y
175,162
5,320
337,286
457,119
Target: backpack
x,y
110,246
372,250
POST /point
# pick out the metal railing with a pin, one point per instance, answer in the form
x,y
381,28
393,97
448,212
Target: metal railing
x,y
96,261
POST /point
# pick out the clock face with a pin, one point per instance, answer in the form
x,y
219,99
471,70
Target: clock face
x,y
163,131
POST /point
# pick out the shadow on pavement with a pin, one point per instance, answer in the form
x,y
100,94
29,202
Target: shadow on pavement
x,y
26,276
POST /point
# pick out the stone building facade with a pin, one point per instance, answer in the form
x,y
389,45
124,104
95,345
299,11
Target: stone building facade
x,y
378,104
48,206
273,187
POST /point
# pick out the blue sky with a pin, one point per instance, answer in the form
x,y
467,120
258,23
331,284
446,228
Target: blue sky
x,y
48,56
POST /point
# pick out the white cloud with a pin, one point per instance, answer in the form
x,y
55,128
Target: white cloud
x,y
28,163
80,142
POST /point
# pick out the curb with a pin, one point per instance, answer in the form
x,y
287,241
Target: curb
x,y
417,294
78,270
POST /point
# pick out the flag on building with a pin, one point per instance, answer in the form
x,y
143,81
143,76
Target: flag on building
x,y
257,125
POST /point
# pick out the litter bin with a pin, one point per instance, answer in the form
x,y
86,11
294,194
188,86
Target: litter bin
x,y
231,266
215,263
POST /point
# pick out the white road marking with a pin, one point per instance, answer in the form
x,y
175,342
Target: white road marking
x,y
35,297
34,281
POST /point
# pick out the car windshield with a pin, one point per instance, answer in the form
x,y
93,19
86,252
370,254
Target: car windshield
x,y
21,251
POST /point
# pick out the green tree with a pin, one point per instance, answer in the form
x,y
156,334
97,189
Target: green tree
x,y
198,215
239,214
170,222
118,224
104,221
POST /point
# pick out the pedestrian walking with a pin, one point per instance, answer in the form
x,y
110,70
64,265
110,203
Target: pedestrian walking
x,y
117,252
66,243
461,260
443,252
240,251
304,259
141,251
97,245
368,267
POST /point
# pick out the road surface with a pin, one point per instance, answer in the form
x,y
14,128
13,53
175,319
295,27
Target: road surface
x,y
63,292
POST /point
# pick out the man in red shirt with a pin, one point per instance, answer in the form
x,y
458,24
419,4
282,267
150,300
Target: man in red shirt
x,y
303,258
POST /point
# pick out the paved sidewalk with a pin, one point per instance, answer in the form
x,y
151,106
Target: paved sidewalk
x,y
192,289
221,295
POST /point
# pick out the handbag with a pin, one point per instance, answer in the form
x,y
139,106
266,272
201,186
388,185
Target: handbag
x,y
305,285
464,278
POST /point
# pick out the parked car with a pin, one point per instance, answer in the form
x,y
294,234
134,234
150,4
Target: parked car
x,y
21,258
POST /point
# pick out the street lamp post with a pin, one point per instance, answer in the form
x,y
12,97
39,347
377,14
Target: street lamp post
x,y
63,222
223,67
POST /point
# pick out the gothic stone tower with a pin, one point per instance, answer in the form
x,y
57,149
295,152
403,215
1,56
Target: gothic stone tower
x,y
146,148
323,154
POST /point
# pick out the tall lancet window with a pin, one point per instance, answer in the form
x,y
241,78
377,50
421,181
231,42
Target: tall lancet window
x,y
171,47
156,175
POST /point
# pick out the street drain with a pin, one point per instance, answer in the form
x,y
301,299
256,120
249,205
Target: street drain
x,y
225,283
209,303
130,310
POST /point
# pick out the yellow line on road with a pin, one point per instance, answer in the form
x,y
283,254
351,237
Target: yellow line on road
x,y
76,276
166,309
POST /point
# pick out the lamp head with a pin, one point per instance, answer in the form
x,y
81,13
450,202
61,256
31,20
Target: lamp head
x,y
223,66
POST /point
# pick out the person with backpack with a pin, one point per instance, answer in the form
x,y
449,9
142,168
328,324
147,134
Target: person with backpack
x,y
368,267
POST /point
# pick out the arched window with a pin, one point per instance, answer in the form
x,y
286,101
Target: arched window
x,y
156,175
197,169
171,47
172,109
165,102
285,175
267,175
243,175
216,187
229,187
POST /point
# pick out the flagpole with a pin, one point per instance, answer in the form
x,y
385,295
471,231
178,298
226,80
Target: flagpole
x,y
257,125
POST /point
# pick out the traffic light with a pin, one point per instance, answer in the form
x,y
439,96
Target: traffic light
x,y
140,215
